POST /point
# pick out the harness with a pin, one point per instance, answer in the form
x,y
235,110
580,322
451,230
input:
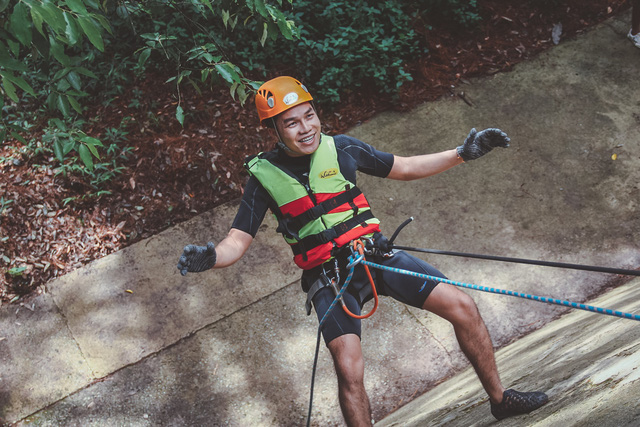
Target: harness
x,y
318,216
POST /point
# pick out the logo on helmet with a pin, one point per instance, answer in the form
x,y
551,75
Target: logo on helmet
x,y
290,98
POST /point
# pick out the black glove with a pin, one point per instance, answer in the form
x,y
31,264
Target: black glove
x,y
195,259
480,143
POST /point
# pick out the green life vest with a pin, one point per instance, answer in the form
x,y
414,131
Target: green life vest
x,y
315,217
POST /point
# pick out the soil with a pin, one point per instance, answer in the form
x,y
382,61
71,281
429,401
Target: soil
x,y
50,225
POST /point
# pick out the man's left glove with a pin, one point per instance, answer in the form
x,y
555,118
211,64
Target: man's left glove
x,y
477,144
196,259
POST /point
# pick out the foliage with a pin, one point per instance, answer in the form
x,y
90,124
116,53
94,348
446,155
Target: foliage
x,y
344,46
56,56
53,54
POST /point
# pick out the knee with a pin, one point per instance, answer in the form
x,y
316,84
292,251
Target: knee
x,y
349,366
464,309
350,369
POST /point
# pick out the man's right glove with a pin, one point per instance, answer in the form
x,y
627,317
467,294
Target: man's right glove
x,y
477,144
196,259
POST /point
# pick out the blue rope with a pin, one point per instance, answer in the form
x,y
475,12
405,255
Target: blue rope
x,y
352,266
505,292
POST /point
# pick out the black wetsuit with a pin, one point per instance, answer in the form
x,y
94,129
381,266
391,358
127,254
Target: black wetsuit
x,y
353,155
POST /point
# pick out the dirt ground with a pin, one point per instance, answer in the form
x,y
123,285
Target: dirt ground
x,y
175,173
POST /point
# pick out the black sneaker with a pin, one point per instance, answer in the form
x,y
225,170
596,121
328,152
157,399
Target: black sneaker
x,y
518,403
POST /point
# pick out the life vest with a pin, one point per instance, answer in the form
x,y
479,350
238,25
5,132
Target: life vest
x,y
315,217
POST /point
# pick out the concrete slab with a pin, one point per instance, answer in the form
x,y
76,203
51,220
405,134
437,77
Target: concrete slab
x,y
588,363
254,368
40,362
115,327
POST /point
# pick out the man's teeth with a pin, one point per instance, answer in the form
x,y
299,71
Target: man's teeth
x,y
307,139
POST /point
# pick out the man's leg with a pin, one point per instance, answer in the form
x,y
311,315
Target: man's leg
x,y
349,364
460,310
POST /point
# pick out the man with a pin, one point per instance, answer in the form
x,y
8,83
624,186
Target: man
x,y
308,182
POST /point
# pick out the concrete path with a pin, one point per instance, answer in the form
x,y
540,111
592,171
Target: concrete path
x,y
126,340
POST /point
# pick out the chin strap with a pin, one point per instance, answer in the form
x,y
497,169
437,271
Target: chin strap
x,y
280,144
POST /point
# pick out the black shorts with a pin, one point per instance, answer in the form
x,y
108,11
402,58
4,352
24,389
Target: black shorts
x,y
410,290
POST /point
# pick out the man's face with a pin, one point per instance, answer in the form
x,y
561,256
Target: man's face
x,y
299,128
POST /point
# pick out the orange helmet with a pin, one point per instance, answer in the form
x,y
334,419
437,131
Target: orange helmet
x,y
278,95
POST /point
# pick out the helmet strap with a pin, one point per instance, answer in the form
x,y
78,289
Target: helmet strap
x,y
280,143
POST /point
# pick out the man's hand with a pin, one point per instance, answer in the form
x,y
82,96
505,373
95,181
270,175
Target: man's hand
x,y
195,259
480,143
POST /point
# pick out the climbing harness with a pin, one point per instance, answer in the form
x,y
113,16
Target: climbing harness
x,y
358,257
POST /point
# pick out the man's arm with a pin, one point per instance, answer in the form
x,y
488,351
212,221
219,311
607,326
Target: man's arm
x,y
196,259
476,145
416,167
232,248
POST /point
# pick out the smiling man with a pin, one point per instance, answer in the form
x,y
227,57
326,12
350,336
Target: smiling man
x,y
309,182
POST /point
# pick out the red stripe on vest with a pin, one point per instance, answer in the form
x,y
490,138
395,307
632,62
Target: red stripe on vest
x,y
321,254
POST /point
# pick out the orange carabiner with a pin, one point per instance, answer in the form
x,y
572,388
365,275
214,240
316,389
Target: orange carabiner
x,y
359,246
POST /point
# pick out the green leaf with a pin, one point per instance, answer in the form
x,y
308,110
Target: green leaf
x,y
180,115
72,32
68,146
3,5
265,34
225,17
8,62
14,48
85,156
74,79
262,10
57,51
91,141
17,136
57,150
85,72
232,90
59,124
9,89
19,24
37,19
227,72
144,56
91,30
104,22
93,150
77,6
62,104
75,104
18,81
208,4
16,271
52,15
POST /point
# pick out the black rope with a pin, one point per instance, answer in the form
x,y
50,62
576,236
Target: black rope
x,y
525,261
313,375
